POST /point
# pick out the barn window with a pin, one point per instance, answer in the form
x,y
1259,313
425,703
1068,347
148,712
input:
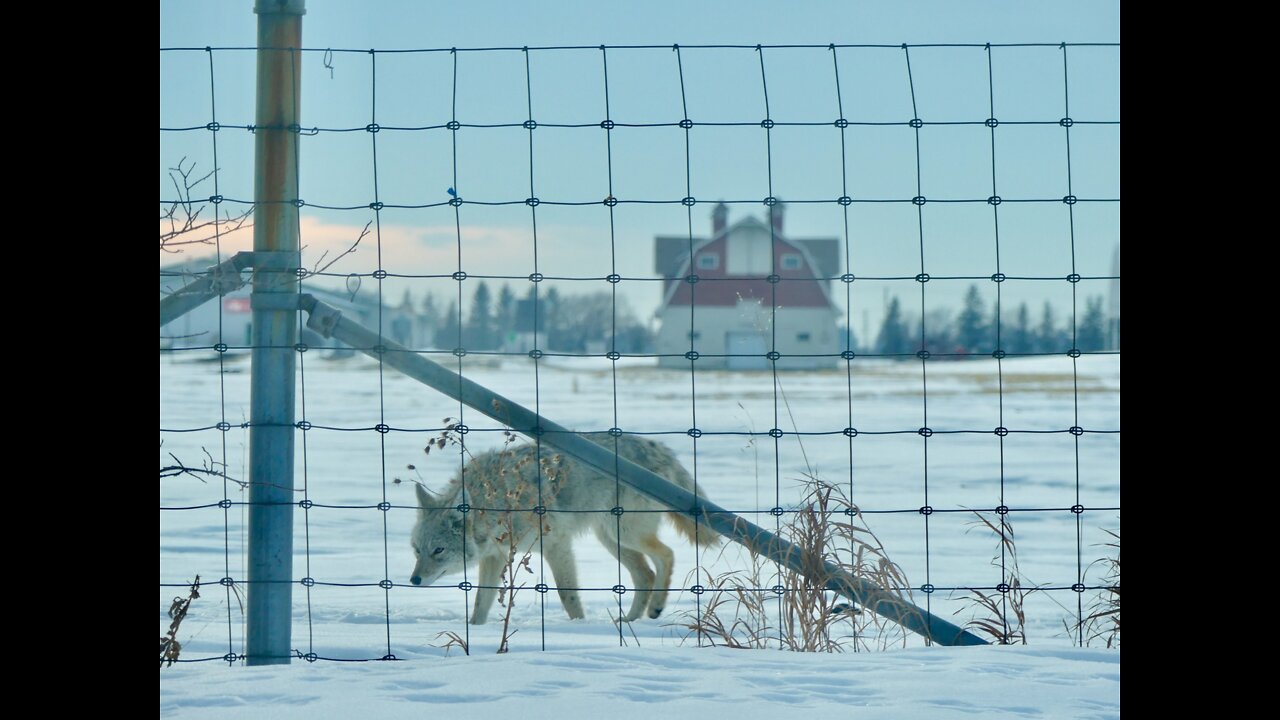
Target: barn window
x,y
749,252
708,261
791,261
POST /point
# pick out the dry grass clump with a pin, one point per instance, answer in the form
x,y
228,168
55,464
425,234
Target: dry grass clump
x,y
1000,614
771,606
1102,624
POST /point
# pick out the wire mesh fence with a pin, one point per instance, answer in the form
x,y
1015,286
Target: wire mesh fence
x,y
685,244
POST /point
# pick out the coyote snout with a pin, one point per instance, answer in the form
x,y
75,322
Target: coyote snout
x,y
492,516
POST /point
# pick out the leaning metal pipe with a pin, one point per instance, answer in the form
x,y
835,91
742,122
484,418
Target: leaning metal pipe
x,y
329,322
275,333
222,279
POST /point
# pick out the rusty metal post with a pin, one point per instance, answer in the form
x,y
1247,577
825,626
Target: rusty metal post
x,y
275,332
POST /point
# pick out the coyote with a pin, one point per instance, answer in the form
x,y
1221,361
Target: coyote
x,y
446,539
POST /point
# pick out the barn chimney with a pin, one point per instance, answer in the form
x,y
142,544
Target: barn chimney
x,y
776,214
719,218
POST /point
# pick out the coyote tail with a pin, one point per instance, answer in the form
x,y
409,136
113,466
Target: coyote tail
x,y
685,524
698,534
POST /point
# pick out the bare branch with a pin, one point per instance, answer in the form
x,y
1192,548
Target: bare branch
x,y
199,473
321,268
183,214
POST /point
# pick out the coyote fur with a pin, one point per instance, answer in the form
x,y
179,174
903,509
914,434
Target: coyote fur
x,y
445,538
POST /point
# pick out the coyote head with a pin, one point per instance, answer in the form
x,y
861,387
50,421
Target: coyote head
x,y
437,539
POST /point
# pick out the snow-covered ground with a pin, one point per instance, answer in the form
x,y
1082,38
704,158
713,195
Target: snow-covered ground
x,y
1039,470
651,682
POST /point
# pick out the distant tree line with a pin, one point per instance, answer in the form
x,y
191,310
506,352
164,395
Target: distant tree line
x,y
564,323
591,323
973,330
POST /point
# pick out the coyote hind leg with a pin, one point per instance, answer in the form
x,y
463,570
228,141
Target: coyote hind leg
x,y
637,567
663,562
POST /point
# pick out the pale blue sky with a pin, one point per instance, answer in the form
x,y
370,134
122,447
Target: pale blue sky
x,y
731,163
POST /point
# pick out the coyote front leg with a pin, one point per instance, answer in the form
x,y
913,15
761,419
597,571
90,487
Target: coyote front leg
x,y
564,569
487,590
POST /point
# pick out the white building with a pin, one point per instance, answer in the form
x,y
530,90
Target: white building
x,y
744,292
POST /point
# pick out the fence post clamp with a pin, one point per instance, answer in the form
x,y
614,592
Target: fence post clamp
x,y
322,318
286,302
226,277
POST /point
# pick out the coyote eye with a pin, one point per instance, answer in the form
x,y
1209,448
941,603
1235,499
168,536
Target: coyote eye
x,y
437,551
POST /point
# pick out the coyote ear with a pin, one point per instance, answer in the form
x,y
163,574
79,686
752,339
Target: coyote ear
x,y
425,498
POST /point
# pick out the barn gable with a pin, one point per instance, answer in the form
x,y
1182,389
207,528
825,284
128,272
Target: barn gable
x,y
720,309
736,262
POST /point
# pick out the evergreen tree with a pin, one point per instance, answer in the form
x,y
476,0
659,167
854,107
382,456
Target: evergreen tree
x,y
1019,340
479,329
1049,339
546,318
848,341
505,316
550,325
972,331
893,338
429,323
1092,335
402,320
429,312
450,336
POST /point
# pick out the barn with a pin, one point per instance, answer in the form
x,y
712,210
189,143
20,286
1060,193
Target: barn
x,y
746,291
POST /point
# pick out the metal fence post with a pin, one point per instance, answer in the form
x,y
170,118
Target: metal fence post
x,y
275,332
